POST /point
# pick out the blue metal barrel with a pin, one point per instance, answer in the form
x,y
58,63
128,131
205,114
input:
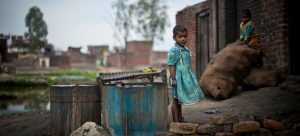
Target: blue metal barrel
x,y
134,104
135,110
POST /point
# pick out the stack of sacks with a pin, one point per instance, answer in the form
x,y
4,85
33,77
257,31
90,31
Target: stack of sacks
x,y
259,77
227,70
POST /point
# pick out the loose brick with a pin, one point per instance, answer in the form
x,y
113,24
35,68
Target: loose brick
x,y
183,128
272,124
207,129
221,120
227,128
247,126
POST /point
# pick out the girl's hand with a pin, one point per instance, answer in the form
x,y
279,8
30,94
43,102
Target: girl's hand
x,y
174,83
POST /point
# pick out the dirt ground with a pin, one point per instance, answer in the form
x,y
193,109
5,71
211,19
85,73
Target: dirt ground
x,y
272,102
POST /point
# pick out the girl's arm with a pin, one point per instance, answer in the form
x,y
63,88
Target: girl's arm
x,y
172,74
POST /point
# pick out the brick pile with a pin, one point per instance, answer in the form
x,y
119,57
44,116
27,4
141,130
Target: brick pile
x,y
230,125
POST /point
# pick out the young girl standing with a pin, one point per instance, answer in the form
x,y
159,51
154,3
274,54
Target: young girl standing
x,y
185,86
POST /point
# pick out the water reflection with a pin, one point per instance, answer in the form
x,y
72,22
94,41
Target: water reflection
x,y
21,99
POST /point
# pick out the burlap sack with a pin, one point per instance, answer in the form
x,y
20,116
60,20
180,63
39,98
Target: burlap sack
x,y
261,78
227,70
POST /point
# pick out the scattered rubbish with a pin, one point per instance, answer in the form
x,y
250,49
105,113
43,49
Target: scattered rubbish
x,y
213,111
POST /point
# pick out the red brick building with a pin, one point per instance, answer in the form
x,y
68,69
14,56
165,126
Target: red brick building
x,y
115,59
137,54
80,60
159,59
214,23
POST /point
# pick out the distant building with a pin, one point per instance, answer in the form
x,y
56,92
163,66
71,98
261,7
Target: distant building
x,y
159,59
137,54
80,60
101,52
19,44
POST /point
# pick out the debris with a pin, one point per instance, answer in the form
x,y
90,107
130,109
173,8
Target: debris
x,y
213,111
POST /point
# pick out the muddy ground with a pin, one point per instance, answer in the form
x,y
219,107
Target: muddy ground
x,y
271,102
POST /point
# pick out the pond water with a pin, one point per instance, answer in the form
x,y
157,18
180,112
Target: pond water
x,y
22,99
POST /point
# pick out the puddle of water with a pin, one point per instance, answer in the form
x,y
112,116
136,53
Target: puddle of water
x,y
22,99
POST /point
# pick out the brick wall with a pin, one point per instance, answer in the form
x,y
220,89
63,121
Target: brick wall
x,y
188,18
115,60
159,59
75,55
275,38
271,21
230,21
80,60
138,53
227,22
98,50
60,61
270,18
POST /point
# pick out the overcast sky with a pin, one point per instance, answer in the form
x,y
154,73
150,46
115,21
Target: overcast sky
x,y
77,23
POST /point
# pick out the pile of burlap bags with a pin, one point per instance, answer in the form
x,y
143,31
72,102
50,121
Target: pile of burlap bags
x,y
232,66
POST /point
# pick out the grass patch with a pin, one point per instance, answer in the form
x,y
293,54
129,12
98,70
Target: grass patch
x,y
51,77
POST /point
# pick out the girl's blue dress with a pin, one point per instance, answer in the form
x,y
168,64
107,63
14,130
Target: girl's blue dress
x,y
187,90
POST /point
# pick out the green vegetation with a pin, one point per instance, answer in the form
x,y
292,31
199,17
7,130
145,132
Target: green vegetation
x,y
52,77
37,29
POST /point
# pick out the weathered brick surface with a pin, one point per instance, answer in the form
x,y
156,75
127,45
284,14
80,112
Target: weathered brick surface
x,y
116,60
188,18
226,128
225,134
221,120
183,128
207,129
138,53
60,61
273,125
247,126
270,18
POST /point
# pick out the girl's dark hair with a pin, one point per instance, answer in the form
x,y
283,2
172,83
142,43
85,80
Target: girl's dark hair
x,y
247,13
178,28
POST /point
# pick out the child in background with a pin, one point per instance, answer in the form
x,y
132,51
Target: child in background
x,y
185,86
247,31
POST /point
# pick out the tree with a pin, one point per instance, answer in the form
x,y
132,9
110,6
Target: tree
x,y
148,17
123,22
152,18
37,29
